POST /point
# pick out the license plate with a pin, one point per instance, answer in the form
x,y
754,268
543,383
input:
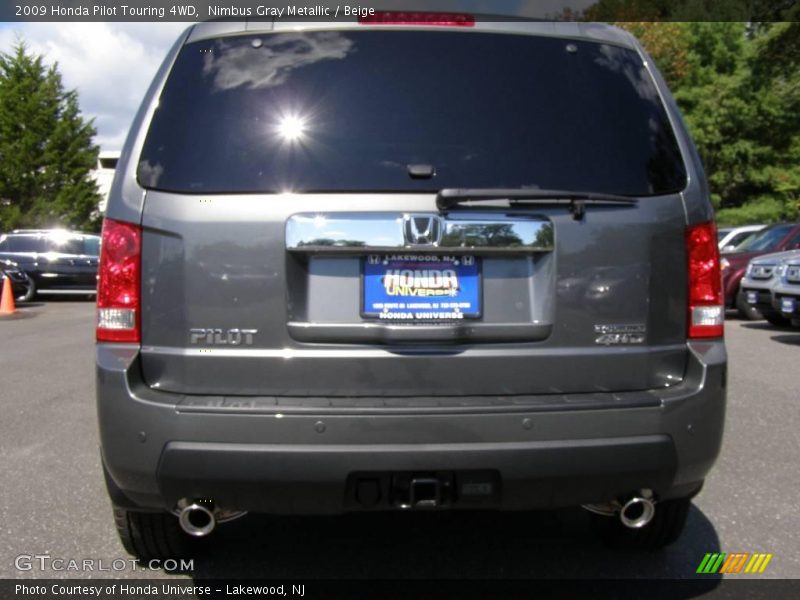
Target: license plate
x,y
752,297
420,287
788,305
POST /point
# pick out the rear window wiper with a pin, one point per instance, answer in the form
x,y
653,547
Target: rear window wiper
x,y
450,197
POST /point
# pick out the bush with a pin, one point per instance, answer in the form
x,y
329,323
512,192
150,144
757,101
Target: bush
x,y
759,210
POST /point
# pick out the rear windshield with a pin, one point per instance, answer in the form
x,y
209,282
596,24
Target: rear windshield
x,y
350,111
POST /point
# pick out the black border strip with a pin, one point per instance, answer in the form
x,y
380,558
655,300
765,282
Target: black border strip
x,y
605,10
418,589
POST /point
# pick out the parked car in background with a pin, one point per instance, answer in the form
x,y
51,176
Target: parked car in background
x,y
773,238
21,284
731,237
758,283
786,291
57,261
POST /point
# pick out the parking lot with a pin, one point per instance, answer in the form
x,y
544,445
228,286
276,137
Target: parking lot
x,y
53,501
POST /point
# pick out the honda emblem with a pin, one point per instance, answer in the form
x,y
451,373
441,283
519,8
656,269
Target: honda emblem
x,y
422,230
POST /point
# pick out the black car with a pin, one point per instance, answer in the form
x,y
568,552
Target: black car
x,y
56,261
21,283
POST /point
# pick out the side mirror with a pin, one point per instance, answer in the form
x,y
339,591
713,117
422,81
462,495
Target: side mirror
x,y
729,248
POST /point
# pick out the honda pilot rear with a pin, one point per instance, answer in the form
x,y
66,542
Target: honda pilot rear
x,y
453,263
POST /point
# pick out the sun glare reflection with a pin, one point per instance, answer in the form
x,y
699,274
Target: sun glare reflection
x,y
291,128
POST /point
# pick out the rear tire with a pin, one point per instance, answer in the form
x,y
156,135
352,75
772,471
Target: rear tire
x,y
777,319
665,527
151,535
748,312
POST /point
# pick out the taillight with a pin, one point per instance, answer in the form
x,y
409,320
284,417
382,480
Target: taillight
x,y
118,288
706,303
392,17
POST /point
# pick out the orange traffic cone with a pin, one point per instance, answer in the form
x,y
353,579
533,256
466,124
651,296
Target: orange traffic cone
x,y
7,301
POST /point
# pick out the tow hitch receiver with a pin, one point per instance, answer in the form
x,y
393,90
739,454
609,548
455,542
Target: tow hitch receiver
x,y
425,490
412,490
425,493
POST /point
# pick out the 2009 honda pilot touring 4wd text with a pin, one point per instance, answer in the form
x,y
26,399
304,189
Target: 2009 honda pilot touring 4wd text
x,y
381,265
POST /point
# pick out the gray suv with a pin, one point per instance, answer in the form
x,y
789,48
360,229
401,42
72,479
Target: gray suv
x,y
759,285
381,265
786,291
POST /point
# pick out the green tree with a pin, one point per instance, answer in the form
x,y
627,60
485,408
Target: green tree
x,y
747,119
738,86
668,44
46,148
734,68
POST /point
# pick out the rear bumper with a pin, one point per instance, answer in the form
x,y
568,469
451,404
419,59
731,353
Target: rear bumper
x,y
323,479
158,448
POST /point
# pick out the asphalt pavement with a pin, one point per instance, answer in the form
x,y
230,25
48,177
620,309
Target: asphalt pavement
x,y
53,500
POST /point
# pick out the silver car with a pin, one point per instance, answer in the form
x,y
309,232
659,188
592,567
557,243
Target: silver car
x,y
786,291
758,286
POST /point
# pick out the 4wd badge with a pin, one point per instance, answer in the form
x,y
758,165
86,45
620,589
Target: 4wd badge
x,y
620,334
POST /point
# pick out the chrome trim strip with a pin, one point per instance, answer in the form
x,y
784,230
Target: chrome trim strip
x,y
383,333
359,233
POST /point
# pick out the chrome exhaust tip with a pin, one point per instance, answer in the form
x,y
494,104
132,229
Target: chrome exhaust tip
x,y
634,513
197,520
637,512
